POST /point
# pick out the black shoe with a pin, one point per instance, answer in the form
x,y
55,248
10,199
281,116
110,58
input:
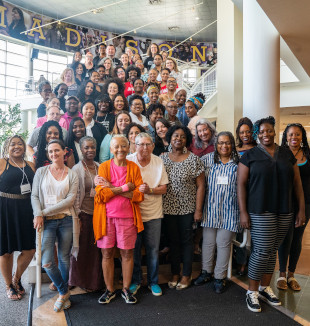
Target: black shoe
x,y
252,302
128,297
219,286
106,297
270,296
203,278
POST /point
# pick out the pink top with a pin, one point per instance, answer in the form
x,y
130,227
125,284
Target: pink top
x,y
118,206
62,122
68,118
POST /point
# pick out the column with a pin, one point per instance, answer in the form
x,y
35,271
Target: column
x,y
261,64
229,67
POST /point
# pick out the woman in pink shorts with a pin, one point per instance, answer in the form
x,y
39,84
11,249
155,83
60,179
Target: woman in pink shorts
x,y
117,217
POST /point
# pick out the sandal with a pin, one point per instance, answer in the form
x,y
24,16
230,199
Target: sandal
x,y
282,283
293,284
11,293
17,284
62,303
52,287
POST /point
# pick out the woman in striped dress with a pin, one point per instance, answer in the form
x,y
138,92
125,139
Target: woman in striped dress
x,y
221,213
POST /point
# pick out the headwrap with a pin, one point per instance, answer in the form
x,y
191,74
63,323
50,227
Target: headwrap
x,y
198,102
151,87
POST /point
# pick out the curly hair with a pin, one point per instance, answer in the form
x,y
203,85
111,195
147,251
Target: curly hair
x,y
174,128
304,145
56,89
116,81
117,69
154,107
131,125
71,137
158,140
248,122
137,97
132,68
104,98
234,154
42,84
74,67
126,106
270,120
41,149
62,76
81,91
7,142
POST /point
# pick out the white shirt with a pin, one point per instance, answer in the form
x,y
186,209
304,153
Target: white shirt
x,y
154,174
143,123
57,190
78,150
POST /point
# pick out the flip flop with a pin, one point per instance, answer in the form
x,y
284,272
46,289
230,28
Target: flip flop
x,y
282,283
293,284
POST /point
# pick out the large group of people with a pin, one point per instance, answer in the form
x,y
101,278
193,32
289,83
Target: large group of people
x,y
122,161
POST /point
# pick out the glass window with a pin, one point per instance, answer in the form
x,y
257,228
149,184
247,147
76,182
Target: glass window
x,y
2,44
56,67
16,48
10,93
2,80
40,64
14,82
2,55
2,93
16,71
57,58
38,73
42,55
16,59
2,68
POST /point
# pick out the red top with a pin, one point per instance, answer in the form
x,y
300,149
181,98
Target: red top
x,y
129,90
200,151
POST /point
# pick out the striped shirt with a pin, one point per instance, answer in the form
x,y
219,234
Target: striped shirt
x,y
221,206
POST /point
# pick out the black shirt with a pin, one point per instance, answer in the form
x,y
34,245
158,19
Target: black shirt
x,y
107,121
148,63
304,169
41,111
270,184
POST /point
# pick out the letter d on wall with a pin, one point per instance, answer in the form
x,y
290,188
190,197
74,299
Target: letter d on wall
x,y
78,41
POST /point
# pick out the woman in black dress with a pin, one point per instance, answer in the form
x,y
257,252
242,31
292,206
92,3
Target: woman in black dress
x,y
16,229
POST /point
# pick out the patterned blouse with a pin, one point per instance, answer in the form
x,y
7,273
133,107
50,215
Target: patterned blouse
x,y
180,198
221,209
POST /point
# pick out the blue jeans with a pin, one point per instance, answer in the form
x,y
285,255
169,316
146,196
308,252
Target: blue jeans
x,y
62,230
151,238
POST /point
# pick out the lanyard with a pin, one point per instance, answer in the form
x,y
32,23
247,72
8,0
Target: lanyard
x,y
22,170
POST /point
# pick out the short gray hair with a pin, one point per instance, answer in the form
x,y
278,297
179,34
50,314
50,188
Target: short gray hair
x,y
119,136
143,135
87,138
211,127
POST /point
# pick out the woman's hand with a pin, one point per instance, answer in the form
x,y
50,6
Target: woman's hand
x,y
245,220
144,188
99,181
198,216
300,220
131,186
38,222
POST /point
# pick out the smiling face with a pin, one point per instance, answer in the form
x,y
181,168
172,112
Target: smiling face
x,y
102,50
172,108
88,111
89,58
136,57
204,133
119,103
123,120
55,153
138,86
112,89
132,75
154,49
77,56
110,51
46,92
95,77
101,71
266,134
153,75
121,74
170,64
107,64
153,95
164,75
79,69
294,136
78,130
145,148
51,133
136,107
16,148
171,84
103,106
245,134
139,64
161,129
54,102
88,150
181,97
72,106
224,146
62,91
119,148
158,60
129,52
133,132
190,109
157,114
178,139
124,59
68,76
89,89
53,113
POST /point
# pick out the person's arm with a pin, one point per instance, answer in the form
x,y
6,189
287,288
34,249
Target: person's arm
x,y
30,150
242,181
299,192
35,201
104,154
159,190
71,161
200,194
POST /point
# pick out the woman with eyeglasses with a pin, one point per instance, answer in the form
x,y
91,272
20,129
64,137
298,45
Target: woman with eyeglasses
x,y
295,139
267,178
221,214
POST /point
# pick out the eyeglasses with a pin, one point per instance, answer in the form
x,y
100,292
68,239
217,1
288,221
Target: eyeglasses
x,y
222,143
144,145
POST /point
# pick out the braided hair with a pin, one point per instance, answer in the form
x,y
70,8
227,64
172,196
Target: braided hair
x,y
234,154
304,145
41,150
248,122
270,120
6,145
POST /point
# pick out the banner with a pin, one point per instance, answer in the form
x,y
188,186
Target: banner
x,y
71,38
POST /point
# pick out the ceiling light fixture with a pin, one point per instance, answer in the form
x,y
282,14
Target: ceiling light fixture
x,y
197,18
153,22
190,37
94,11
173,28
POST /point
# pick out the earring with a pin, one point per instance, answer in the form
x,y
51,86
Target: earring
x,y
301,145
184,150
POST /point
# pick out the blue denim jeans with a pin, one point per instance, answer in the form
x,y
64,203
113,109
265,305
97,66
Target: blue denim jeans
x,y
62,230
151,238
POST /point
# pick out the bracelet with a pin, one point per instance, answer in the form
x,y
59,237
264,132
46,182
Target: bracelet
x,y
125,188
151,190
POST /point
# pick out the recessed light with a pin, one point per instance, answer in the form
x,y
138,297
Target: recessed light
x,y
197,18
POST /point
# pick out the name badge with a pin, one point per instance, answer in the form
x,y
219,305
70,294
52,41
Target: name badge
x,y
92,192
25,189
51,200
222,180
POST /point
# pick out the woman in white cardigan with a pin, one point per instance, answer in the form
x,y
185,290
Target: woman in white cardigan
x,y
86,271
53,194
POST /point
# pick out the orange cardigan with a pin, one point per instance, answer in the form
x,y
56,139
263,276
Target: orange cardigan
x,y
103,195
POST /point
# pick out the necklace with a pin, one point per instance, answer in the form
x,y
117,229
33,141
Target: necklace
x,y
297,151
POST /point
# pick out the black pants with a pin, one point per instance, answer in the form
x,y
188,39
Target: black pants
x,y
291,245
181,242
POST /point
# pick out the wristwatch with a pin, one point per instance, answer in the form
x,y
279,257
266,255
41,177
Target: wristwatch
x,y
151,190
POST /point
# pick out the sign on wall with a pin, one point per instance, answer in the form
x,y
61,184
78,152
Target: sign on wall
x,y
68,37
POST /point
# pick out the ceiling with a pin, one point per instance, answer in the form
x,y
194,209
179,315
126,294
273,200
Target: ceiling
x,y
131,14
